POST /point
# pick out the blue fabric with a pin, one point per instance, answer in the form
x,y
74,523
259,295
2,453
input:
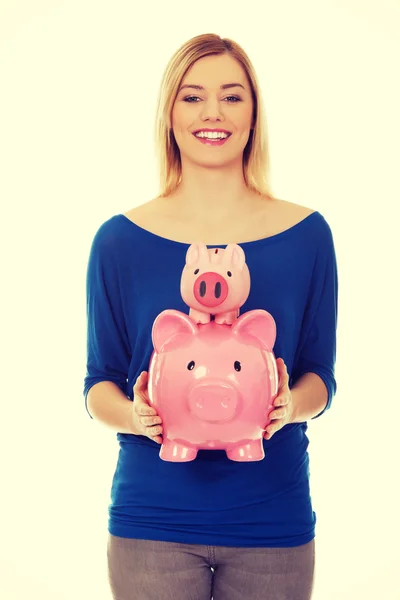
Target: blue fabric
x,y
132,276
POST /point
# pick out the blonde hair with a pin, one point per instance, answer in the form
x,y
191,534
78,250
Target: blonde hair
x,y
255,154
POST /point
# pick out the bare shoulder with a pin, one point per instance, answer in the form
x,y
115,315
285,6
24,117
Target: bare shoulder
x,y
154,216
141,211
291,210
283,214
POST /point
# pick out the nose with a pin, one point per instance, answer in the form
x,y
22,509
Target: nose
x,y
213,401
211,109
210,289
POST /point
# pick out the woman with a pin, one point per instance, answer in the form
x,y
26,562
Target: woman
x,y
211,527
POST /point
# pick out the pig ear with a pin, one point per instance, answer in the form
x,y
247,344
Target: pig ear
x,y
259,324
195,252
234,255
168,324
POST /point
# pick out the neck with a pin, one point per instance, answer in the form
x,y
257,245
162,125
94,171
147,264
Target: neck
x,y
210,193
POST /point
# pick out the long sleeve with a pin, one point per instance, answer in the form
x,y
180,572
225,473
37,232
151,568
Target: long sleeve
x,y
108,354
316,352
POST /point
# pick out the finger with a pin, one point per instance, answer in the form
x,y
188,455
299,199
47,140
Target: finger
x,y
282,369
268,435
139,398
278,414
143,409
281,366
281,400
140,395
271,429
152,432
151,420
141,382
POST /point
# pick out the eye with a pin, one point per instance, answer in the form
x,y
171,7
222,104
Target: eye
x,y
190,366
237,365
196,271
235,98
229,274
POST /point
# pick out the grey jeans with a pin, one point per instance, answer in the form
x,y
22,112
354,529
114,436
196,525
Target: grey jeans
x,y
153,570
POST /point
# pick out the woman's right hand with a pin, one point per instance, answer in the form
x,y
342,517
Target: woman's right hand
x,y
147,422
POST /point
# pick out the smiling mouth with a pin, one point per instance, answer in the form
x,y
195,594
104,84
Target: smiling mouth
x,y
213,141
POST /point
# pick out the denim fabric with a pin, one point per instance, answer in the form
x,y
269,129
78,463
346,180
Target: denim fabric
x,y
154,570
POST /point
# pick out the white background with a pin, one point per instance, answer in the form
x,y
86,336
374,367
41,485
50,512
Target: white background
x,y
79,82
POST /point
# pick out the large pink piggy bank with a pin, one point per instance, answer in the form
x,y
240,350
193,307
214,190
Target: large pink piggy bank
x,y
213,385
215,281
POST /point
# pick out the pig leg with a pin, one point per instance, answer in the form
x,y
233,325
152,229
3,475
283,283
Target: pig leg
x,y
252,450
198,316
227,317
176,451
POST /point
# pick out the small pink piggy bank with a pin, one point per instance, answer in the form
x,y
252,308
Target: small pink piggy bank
x,y
215,281
213,385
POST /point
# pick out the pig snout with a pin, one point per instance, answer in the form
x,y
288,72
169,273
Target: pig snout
x,y
210,289
213,401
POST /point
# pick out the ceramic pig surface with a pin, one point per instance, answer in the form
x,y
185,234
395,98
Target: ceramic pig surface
x,y
213,385
215,281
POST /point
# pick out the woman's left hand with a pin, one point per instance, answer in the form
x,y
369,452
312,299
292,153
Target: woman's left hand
x,y
283,408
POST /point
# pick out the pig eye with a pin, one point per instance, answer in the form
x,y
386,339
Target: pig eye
x,y
237,365
196,271
191,365
229,274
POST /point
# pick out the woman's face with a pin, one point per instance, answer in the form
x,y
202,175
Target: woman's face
x,y
212,107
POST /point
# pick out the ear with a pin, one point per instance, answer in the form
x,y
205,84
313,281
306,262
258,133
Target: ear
x,y
168,324
259,324
234,255
195,253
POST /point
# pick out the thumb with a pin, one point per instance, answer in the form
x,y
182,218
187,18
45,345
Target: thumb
x,y
141,382
140,391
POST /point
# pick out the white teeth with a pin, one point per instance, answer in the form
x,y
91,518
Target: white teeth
x,y
211,136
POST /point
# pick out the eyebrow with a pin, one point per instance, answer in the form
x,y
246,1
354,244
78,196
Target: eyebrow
x,y
225,86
